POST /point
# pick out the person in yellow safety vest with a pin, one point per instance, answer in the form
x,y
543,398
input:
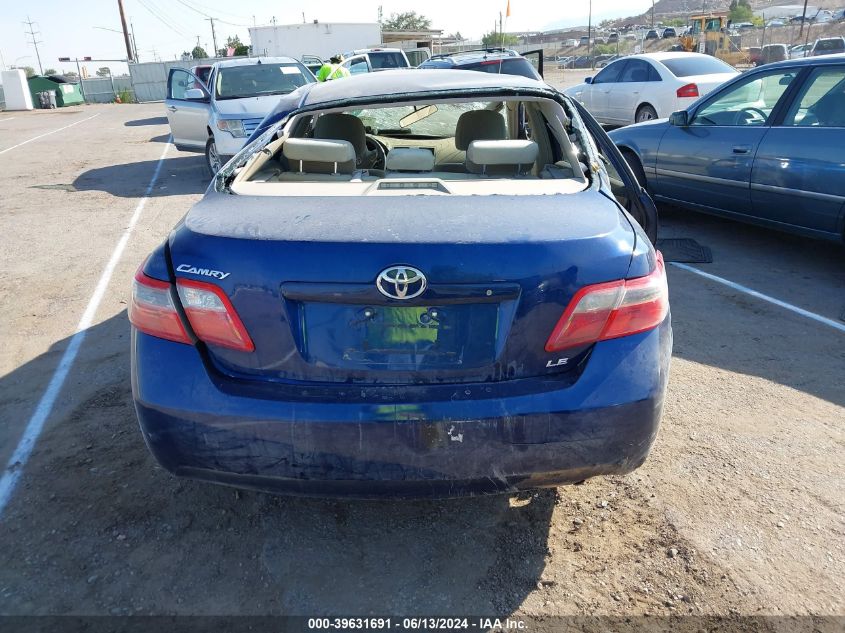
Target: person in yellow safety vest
x,y
332,69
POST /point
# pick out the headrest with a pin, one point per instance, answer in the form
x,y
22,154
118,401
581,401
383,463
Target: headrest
x,y
502,152
318,150
410,159
338,125
479,125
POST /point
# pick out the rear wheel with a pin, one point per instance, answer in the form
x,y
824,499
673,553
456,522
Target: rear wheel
x,y
645,113
212,159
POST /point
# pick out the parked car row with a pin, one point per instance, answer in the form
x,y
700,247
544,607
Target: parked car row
x,y
765,147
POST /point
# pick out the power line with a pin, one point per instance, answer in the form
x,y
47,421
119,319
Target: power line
x,y
35,43
167,16
161,19
210,17
206,12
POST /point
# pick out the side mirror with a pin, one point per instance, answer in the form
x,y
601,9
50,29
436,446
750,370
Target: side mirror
x,y
679,119
588,80
195,94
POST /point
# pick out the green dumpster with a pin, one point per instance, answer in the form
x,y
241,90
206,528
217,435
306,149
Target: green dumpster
x,y
66,91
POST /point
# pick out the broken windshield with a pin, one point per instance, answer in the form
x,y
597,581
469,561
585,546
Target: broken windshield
x,y
437,121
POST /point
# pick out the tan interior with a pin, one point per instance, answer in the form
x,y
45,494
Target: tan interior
x,y
480,159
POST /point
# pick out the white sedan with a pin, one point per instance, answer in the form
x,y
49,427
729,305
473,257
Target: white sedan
x,y
651,86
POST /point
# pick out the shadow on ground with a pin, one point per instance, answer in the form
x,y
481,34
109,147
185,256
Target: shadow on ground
x,y
718,326
154,120
181,173
122,536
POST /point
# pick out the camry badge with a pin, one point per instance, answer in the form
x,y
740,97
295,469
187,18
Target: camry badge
x,y
401,282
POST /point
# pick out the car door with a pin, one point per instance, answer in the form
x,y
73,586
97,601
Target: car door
x,y
536,58
798,176
597,92
188,118
708,162
357,65
626,189
631,89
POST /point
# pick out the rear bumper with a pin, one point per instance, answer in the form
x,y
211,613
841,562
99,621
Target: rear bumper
x,y
604,423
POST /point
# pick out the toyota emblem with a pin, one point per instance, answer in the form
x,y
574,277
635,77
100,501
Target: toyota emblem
x,y
401,282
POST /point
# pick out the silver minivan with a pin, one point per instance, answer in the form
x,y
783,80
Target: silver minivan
x,y
216,117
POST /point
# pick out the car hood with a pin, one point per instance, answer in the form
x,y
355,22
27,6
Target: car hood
x,y
249,107
575,90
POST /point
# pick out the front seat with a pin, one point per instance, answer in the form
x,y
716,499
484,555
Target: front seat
x,y
478,125
830,110
345,127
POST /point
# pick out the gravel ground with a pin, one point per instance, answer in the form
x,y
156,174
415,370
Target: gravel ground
x,y
737,512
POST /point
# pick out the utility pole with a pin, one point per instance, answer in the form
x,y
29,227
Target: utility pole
x,y
134,43
35,43
129,55
652,13
590,31
213,36
800,31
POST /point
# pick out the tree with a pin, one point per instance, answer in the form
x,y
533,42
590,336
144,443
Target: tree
x,y
103,71
199,52
494,38
740,11
71,74
51,71
234,42
28,70
408,21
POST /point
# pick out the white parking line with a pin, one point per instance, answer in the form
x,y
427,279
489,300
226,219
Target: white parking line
x,y
35,138
760,295
18,460
9,119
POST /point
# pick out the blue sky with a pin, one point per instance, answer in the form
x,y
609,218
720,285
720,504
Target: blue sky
x,y
167,27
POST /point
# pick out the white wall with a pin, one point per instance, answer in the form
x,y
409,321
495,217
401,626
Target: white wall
x,y
323,39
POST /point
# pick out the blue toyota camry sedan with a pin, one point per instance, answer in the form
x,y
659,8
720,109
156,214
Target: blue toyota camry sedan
x,y
766,148
416,283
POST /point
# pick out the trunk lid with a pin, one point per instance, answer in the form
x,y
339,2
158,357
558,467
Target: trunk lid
x,y
302,274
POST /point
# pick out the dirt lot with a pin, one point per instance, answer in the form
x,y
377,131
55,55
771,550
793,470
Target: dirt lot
x,y
739,510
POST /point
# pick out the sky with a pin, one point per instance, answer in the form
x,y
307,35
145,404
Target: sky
x,y
166,28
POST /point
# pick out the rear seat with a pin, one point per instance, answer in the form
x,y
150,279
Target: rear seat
x,y
502,158
319,159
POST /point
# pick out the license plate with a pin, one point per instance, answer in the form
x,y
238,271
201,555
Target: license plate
x,y
398,337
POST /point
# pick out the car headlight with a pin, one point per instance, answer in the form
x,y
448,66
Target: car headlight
x,y
235,127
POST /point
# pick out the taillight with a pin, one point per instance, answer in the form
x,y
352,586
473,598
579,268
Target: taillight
x,y
212,316
613,309
690,90
151,309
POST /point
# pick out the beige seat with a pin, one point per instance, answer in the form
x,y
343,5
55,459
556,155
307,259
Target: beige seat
x,y
479,125
475,125
318,159
502,158
346,127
